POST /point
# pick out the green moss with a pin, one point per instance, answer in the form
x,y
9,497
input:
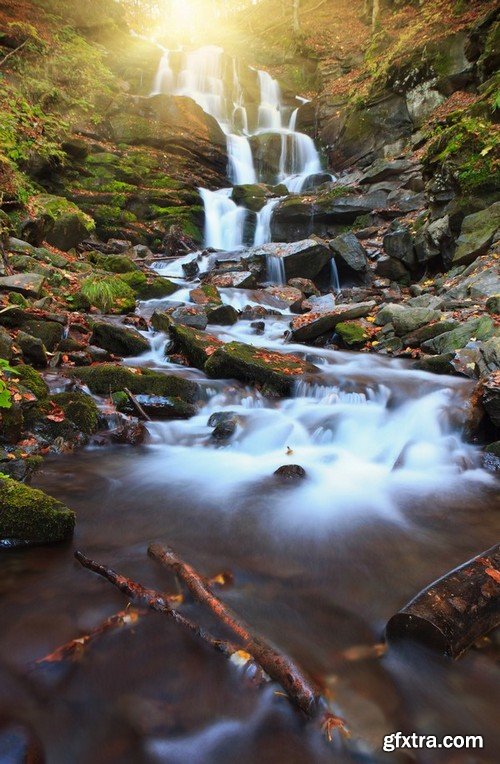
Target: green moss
x,y
352,333
107,378
32,380
28,514
149,287
108,293
197,346
80,409
113,263
50,332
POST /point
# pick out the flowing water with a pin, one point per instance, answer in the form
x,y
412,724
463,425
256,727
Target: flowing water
x,y
212,79
393,498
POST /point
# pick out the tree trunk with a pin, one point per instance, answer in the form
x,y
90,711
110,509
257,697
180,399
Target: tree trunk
x,y
453,612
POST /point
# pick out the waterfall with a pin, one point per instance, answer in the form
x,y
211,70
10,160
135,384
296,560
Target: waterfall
x,y
275,270
263,229
334,276
212,80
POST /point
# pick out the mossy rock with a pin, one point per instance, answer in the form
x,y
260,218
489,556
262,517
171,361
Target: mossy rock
x,y
161,321
117,339
33,349
478,232
64,223
27,514
277,372
49,332
195,345
113,263
80,409
206,294
6,350
478,328
32,380
106,378
352,333
109,294
149,287
223,315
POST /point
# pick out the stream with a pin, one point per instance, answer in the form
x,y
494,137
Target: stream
x,y
393,498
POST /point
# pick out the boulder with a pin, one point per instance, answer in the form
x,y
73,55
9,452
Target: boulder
x,y
192,316
224,423
106,378
404,319
277,372
232,279
57,221
29,515
392,269
301,259
148,287
195,345
306,286
118,339
286,297
223,315
27,284
33,349
491,397
160,407
49,332
6,349
206,294
383,169
398,244
290,472
479,328
323,304
311,325
429,331
478,232
352,333
350,256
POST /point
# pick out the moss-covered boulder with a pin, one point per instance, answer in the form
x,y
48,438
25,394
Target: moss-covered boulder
x,y
6,350
312,325
117,339
33,349
149,287
406,319
27,514
477,328
59,222
352,333
161,321
195,345
49,332
106,378
206,294
79,409
277,372
113,263
223,315
108,293
32,380
478,232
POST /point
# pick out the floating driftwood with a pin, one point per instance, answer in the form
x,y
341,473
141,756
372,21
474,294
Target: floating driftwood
x,y
456,610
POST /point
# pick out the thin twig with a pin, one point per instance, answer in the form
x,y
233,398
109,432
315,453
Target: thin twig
x,y
137,405
13,52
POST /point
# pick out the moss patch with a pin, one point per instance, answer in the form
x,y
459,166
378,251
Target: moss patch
x,y
30,515
80,409
107,378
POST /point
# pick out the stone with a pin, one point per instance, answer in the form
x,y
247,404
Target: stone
x,y
291,472
491,397
206,294
225,424
194,317
233,279
429,331
324,304
352,333
436,364
306,286
405,320
312,325
493,304
476,285
277,372
108,377
286,297
478,232
161,407
301,259
196,345
50,332
350,255
27,514
479,328
27,284
223,315
58,221
6,350
118,339
33,349
392,269
398,244
382,169
160,321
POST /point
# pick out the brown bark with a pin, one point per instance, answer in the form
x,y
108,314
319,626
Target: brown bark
x,y
278,666
456,610
135,403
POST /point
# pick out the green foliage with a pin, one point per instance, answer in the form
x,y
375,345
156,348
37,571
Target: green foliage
x,y
109,294
5,394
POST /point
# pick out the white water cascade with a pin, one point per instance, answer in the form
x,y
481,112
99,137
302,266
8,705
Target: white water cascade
x,y
212,80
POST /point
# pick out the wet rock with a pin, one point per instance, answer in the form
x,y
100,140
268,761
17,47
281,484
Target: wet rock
x,y
478,232
33,349
306,286
286,297
129,434
191,269
476,284
196,345
352,333
6,349
118,246
27,284
301,259
350,256
159,407
491,397
98,355
259,327
106,378
224,423
235,280
223,315
382,169
50,332
27,514
252,312
161,321
428,332
79,409
479,328
206,294
291,472
312,325
194,317
404,319
276,371
437,364
118,339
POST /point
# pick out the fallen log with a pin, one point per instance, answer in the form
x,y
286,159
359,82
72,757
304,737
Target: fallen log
x,y
454,611
278,666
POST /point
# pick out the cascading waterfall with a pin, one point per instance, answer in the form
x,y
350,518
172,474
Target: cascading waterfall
x,y
213,81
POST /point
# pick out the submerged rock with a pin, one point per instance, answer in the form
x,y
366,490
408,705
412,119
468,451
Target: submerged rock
x,y
27,514
290,472
224,423
107,378
276,371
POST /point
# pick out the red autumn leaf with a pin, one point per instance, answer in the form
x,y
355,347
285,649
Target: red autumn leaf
x,y
56,414
494,574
